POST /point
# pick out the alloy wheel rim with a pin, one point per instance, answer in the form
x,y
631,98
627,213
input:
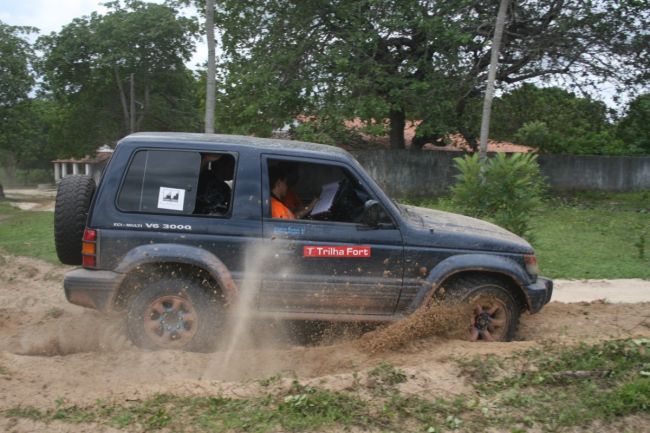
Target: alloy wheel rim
x,y
170,321
489,320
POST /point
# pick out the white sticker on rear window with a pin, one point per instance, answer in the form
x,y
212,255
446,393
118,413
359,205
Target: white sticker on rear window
x,y
171,198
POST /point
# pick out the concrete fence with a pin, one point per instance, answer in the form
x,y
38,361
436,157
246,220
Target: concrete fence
x,y
418,173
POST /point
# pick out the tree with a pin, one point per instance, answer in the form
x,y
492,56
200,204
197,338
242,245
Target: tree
x,y
634,127
88,67
412,59
17,80
556,121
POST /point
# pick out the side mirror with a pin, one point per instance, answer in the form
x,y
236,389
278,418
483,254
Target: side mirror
x,y
372,213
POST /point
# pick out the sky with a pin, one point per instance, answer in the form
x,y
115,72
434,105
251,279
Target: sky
x,y
50,15
46,15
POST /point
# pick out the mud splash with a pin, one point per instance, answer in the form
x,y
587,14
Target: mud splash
x,y
240,331
65,335
447,321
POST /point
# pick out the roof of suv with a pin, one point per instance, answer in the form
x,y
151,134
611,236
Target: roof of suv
x,y
240,140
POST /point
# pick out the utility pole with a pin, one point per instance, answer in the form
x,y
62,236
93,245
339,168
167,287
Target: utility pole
x,y
210,92
489,91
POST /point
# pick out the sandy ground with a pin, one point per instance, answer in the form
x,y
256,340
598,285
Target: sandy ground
x,y
628,290
52,350
31,198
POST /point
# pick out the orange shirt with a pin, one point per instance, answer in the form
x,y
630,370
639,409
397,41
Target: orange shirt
x,y
278,210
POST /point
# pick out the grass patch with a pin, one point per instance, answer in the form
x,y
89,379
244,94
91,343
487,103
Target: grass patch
x,y
27,233
587,235
531,389
602,382
302,410
575,242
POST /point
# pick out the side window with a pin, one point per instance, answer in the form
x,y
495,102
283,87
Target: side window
x,y
167,181
322,192
160,181
216,182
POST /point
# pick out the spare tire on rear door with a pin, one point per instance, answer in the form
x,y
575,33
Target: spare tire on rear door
x,y
70,213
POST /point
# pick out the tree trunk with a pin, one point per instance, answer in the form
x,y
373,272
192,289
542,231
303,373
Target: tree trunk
x,y
211,73
489,91
469,137
125,108
2,192
397,123
145,108
10,168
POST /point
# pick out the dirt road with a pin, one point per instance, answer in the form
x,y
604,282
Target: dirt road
x,y
51,350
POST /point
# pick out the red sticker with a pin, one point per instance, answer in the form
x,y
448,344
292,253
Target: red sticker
x,y
359,252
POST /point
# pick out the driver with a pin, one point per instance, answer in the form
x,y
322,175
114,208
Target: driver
x,y
279,188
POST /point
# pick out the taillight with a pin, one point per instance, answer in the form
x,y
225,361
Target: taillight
x,y
89,249
531,264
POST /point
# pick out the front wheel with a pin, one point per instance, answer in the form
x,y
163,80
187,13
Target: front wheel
x,y
174,314
495,314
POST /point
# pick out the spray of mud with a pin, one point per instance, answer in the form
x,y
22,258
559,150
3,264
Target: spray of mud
x,y
442,320
67,334
240,336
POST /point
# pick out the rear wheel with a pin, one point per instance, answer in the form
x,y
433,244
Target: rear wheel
x,y
174,314
495,314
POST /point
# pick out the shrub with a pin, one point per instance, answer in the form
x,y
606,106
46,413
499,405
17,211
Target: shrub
x,y
504,189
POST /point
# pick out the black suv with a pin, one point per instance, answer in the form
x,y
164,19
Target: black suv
x,y
180,224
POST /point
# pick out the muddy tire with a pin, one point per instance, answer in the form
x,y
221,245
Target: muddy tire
x,y
70,213
174,314
496,312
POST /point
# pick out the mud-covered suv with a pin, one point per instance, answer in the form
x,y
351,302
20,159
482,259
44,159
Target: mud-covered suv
x,y
180,227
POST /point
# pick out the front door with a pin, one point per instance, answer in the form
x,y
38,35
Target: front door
x,y
328,262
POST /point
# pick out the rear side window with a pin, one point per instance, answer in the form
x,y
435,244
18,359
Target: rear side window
x,y
161,181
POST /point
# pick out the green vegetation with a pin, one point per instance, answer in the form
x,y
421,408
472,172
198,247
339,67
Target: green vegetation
x,y
587,235
573,242
25,233
558,121
68,92
604,381
634,127
410,74
506,189
530,389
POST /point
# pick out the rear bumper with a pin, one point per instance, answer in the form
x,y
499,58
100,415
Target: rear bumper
x,y
539,294
92,289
